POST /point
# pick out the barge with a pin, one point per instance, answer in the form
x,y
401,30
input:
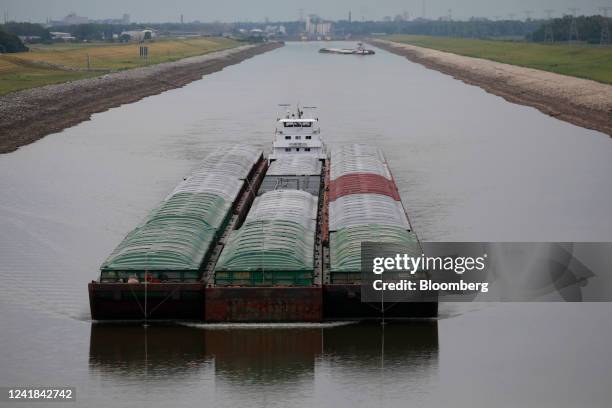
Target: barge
x,y
249,238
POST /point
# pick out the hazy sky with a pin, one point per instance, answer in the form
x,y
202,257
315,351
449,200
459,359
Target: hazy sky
x,y
258,10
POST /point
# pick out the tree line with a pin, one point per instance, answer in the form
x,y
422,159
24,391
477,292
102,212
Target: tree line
x,y
588,29
473,28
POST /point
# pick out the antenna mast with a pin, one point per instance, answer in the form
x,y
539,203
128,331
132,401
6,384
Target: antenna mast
x,y
548,30
573,33
605,26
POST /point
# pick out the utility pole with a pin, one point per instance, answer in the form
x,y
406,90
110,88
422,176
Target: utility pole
x,y
573,33
605,26
549,36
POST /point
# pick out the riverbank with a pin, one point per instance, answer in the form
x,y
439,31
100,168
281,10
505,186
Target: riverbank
x,y
588,61
47,64
578,101
28,115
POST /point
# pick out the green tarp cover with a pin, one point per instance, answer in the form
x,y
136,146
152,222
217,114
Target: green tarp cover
x,y
274,245
345,244
176,236
206,209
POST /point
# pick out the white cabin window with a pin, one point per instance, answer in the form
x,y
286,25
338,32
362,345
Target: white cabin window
x,y
287,149
308,137
287,137
307,149
297,149
297,124
298,137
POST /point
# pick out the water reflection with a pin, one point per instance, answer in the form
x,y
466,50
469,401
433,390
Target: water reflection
x,y
278,357
413,345
133,351
263,356
391,365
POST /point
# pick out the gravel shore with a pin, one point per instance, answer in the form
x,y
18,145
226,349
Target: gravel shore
x,y
579,101
29,115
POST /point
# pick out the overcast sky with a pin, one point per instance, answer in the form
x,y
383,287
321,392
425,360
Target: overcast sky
x,y
258,10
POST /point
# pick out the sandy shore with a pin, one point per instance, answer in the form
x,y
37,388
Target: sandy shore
x,y
582,102
29,115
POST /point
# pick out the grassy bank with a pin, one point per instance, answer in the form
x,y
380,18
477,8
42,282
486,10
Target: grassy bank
x,y
49,64
584,61
16,75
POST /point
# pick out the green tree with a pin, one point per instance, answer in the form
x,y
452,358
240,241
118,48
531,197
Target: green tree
x,y
10,43
28,29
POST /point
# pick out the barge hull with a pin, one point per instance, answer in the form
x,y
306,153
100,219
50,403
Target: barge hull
x,y
165,301
194,302
269,304
343,302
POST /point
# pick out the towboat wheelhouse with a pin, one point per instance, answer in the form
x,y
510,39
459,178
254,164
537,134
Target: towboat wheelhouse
x,y
297,134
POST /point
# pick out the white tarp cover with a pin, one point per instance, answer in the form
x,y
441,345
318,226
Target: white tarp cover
x,y
364,209
288,205
358,159
295,165
236,160
220,184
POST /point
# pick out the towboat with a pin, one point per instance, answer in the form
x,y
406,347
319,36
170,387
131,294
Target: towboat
x,y
360,50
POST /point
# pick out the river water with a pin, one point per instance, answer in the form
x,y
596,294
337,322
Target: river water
x,y
469,165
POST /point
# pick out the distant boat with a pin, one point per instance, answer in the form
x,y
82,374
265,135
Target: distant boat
x,y
360,50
